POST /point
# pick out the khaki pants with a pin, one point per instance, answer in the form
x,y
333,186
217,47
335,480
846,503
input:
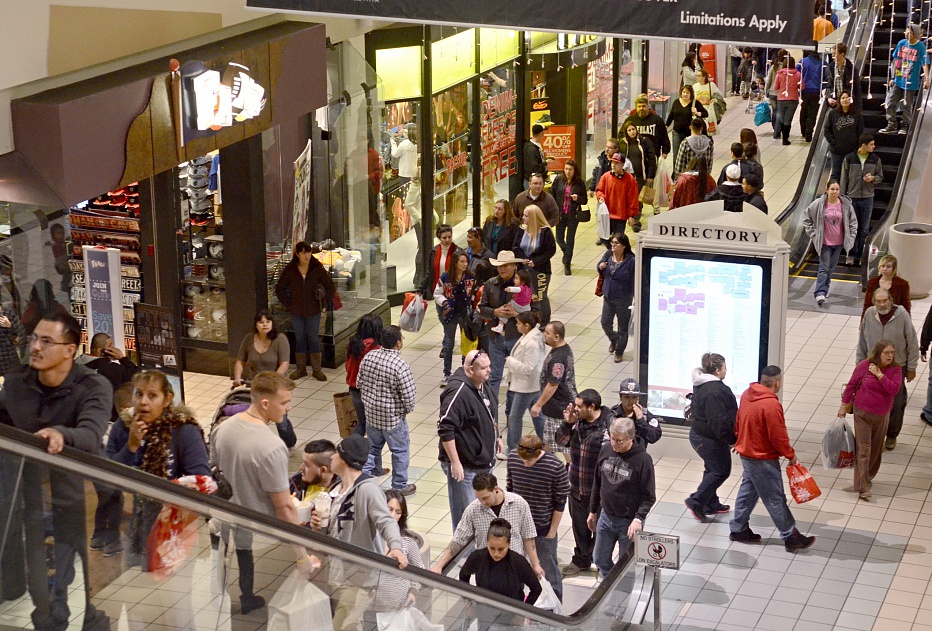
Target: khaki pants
x,y
350,604
870,432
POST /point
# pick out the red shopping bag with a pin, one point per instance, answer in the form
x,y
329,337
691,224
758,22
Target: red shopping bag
x,y
173,534
802,485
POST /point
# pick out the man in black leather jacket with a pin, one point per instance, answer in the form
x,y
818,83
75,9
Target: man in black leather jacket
x,y
646,426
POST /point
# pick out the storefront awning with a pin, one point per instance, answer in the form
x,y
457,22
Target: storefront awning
x,y
19,184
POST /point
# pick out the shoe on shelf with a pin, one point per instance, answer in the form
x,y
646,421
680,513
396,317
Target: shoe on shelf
x,y
745,536
922,415
695,510
250,603
820,300
112,548
889,129
889,444
798,541
410,489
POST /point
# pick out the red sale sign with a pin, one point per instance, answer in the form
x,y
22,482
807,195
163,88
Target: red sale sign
x,y
559,145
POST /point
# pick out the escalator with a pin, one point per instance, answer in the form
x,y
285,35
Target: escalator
x,y
44,547
872,34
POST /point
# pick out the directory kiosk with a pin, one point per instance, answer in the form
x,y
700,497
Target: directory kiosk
x,y
707,280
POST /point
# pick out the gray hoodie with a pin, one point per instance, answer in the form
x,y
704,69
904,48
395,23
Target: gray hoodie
x,y
690,148
813,222
898,329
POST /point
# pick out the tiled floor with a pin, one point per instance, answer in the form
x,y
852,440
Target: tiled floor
x,y
870,568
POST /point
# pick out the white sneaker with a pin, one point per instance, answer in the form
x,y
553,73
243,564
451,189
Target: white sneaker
x,y
500,329
820,300
849,261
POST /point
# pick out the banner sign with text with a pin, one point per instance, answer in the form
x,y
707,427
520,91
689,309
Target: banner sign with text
x,y
787,23
104,293
559,146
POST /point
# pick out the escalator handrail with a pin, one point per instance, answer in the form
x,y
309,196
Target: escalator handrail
x,y
18,443
879,233
850,37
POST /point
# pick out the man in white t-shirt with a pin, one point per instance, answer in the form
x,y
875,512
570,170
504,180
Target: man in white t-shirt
x,y
255,462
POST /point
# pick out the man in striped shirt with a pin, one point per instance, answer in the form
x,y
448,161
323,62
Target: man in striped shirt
x,y
388,394
541,479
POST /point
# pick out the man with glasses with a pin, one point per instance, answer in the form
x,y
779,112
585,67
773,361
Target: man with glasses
x,y
66,405
623,491
603,165
468,430
536,195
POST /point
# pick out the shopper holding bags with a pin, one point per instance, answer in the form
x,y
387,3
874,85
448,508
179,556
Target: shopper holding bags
x,y
870,393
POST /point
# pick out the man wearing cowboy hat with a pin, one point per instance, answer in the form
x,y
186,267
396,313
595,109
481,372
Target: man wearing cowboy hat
x,y
647,429
494,304
619,190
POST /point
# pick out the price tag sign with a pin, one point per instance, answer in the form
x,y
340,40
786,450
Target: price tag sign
x,y
655,550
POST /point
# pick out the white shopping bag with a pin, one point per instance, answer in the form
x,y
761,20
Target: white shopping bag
x,y
603,226
299,605
407,619
548,599
412,317
838,446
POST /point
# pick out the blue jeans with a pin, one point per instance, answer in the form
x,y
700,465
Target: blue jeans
x,y
828,259
547,554
499,349
306,333
609,531
399,444
360,428
837,159
716,461
784,118
521,402
927,408
762,480
460,494
678,139
863,209
449,339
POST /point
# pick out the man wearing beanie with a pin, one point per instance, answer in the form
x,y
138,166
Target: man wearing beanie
x,y
649,125
358,513
730,190
909,68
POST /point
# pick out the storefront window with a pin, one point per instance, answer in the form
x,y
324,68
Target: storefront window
x,y
599,103
498,101
451,122
400,193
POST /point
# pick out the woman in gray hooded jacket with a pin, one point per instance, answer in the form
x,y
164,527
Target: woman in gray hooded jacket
x,y
832,227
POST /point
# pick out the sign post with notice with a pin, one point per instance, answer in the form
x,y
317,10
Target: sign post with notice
x,y
559,146
655,552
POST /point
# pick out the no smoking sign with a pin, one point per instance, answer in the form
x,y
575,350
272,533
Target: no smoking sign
x,y
655,550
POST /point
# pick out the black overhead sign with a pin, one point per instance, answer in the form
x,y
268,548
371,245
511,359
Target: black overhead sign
x,y
785,23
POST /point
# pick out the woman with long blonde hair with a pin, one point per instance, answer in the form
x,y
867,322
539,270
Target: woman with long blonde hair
x,y
535,243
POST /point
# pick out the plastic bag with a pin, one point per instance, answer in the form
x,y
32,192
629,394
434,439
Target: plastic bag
x,y
762,113
838,446
172,536
802,485
603,225
548,599
412,315
407,619
299,605
664,184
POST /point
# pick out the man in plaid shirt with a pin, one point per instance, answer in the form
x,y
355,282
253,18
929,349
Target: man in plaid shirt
x,y
583,429
388,394
491,502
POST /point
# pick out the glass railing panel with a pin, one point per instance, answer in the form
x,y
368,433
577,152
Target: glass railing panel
x,y
179,561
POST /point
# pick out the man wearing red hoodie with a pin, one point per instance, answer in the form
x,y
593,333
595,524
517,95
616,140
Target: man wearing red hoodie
x,y
762,439
619,190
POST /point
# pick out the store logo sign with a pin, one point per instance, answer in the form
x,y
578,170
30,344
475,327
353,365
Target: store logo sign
x,y
540,105
221,100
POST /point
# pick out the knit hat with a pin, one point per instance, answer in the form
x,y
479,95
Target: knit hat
x,y
354,450
733,172
915,30
642,98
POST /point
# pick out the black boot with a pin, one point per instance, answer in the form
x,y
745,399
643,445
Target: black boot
x,y
248,600
798,541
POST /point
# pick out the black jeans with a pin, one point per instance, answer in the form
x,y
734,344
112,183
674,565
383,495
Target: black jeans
x,y
585,538
896,414
808,113
716,461
620,310
356,396
567,226
109,512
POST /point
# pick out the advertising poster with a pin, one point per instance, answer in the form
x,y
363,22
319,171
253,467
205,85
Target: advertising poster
x,y
157,343
104,293
559,145
762,23
497,135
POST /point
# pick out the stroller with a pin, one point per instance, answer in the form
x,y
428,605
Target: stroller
x,y
237,400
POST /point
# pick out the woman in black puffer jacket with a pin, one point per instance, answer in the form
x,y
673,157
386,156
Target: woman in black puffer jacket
x,y
711,433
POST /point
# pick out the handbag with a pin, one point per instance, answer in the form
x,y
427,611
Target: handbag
x,y
646,195
583,215
599,281
802,485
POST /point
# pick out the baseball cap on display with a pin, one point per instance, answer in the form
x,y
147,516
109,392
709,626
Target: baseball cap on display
x,y
630,386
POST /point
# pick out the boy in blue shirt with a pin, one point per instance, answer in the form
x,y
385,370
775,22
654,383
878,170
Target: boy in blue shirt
x,y
909,65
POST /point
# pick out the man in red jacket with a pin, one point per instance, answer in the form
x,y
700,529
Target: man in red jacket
x,y
619,190
762,439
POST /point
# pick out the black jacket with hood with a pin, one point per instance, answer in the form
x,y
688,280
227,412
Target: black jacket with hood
x,y
731,194
714,408
468,421
647,430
